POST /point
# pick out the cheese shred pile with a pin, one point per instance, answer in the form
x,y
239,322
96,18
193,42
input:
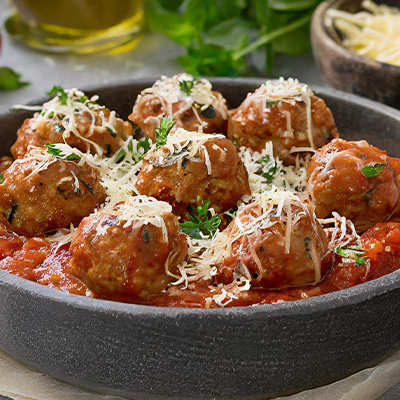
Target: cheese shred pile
x,y
373,32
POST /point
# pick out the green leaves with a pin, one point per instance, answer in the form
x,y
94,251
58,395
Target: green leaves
x,y
370,171
218,34
1,178
268,168
60,93
186,86
162,132
200,223
10,80
353,254
52,149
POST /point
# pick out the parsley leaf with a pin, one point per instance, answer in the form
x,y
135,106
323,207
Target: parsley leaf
x,y
52,149
371,171
120,156
144,143
200,223
186,86
269,168
162,132
353,254
10,80
1,178
60,93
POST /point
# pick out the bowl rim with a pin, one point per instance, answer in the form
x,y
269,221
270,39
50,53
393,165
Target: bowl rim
x,y
319,17
325,302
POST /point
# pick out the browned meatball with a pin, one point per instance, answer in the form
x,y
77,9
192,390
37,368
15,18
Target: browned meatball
x,y
355,179
214,172
41,193
197,106
38,131
276,251
277,112
127,263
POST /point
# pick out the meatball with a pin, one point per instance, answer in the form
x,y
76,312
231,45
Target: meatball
x,y
276,243
127,262
355,179
206,165
96,130
41,193
280,112
191,103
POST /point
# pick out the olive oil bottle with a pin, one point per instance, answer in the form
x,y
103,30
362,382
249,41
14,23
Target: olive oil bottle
x,y
77,26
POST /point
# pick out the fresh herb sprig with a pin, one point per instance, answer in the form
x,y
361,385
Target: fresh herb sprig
x,y
52,149
163,131
200,224
220,34
10,80
353,254
60,93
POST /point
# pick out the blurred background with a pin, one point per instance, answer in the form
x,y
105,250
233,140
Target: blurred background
x,y
84,43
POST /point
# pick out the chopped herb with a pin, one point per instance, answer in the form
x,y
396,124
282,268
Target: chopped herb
x,y
209,112
60,93
52,149
307,241
88,187
146,235
112,132
10,80
200,223
120,156
1,178
371,171
83,99
58,128
353,254
186,86
273,103
144,143
269,168
231,213
73,157
162,132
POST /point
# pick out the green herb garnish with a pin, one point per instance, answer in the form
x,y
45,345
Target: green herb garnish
x,y
112,132
52,149
371,171
60,93
1,178
269,168
353,254
200,223
186,86
273,103
144,143
162,132
10,80
120,156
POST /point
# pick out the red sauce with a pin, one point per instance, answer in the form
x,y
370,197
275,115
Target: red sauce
x,y
39,261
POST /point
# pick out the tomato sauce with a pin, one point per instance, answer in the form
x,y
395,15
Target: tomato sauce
x,y
39,261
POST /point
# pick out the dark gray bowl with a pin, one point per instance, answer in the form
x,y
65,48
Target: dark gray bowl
x,y
348,71
143,352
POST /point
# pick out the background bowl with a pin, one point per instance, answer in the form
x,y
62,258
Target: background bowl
x,y
345,70
151,353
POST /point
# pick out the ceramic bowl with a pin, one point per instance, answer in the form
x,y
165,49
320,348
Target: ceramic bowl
x,y
345,70
152,353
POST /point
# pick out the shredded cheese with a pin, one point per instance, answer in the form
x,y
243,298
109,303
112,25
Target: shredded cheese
x,y
373,32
